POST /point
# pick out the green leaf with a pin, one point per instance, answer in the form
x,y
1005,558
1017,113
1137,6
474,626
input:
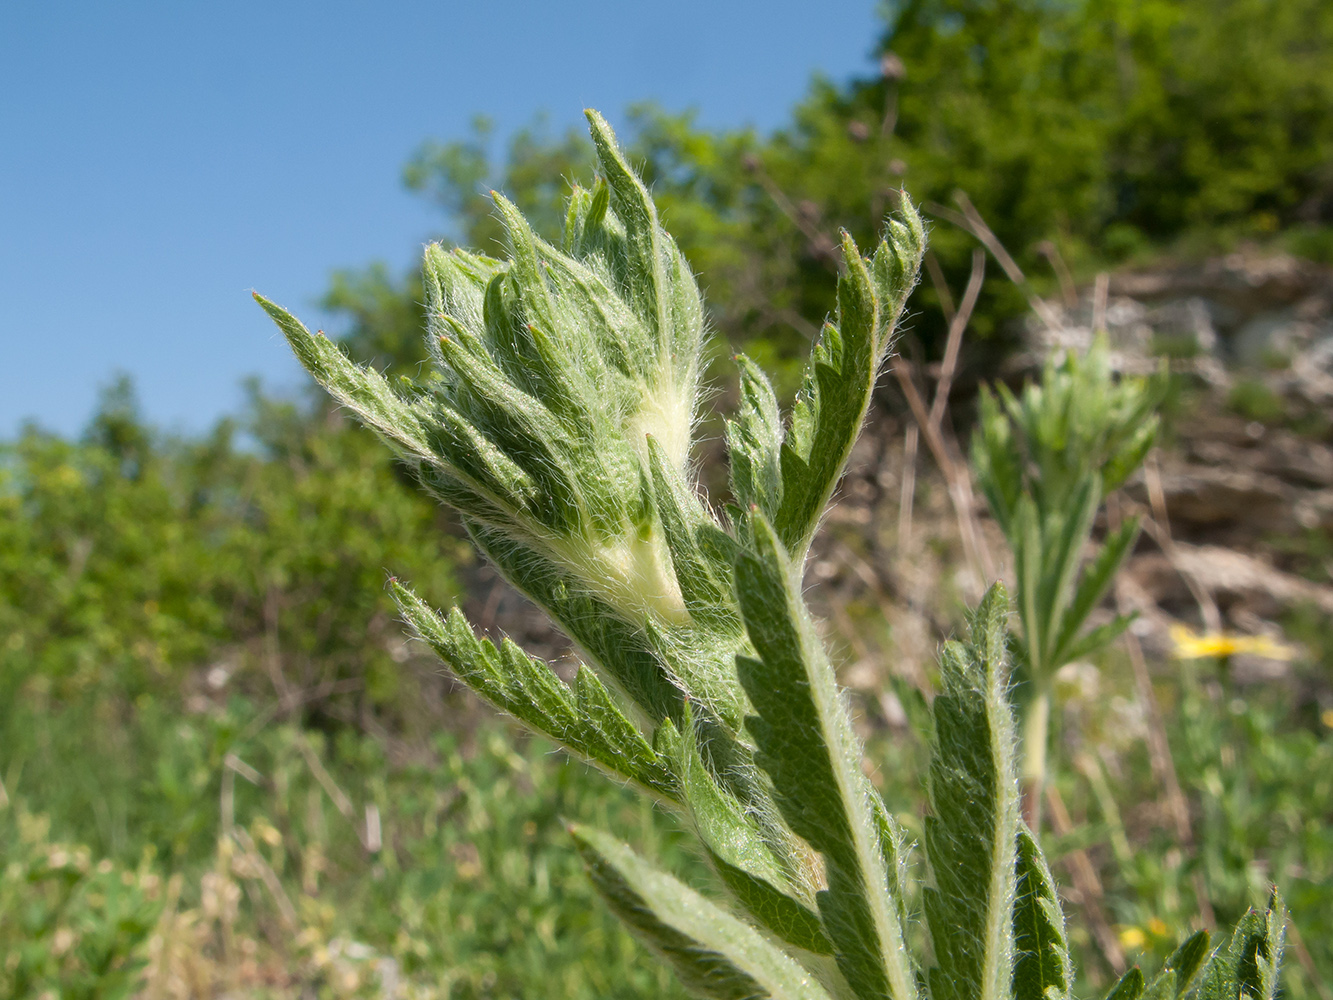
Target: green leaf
x,y
593,311
895,266
646,262
714,954
648,269
1098,638
895,849
756,875
585,212
840,377
1042,969
1180,969
1061,556
1248,966
618,648
520,425
997,459
754,442
792,921
1027,548
361,389
455,282
1122,464
1130,986
586,722
1092,585
453,458
527,271
553,368
806,745
973,829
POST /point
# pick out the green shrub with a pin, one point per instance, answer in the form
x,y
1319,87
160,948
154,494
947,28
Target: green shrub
x,y
70,927
129,560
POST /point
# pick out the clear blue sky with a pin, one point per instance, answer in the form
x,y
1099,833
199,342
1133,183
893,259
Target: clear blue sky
x,y
158,160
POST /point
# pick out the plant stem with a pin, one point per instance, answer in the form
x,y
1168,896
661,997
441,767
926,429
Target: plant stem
x,y
1036,723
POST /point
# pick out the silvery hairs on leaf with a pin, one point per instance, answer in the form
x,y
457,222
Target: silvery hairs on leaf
x,y
810,752
557,419
715,954
972,834
552,370
558,415
556,372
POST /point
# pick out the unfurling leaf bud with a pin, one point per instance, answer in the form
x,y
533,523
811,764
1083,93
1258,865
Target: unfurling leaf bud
x,y
555,367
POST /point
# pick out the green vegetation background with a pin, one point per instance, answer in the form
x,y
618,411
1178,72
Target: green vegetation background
x,y
194,634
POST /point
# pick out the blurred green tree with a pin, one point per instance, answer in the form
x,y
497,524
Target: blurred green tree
x,y
138,570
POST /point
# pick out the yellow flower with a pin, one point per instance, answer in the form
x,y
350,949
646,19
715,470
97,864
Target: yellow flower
x,y
1189,645
1327,717
1132,938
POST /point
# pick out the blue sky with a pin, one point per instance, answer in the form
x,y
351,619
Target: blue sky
x,y
159,160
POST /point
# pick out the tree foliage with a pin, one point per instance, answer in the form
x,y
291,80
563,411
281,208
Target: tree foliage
x,y
132,563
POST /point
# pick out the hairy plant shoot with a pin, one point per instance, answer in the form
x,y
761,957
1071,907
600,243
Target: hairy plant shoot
x,y
557,419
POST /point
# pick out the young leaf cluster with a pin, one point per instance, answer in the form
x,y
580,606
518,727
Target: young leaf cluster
x,y
558,422
1045,460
